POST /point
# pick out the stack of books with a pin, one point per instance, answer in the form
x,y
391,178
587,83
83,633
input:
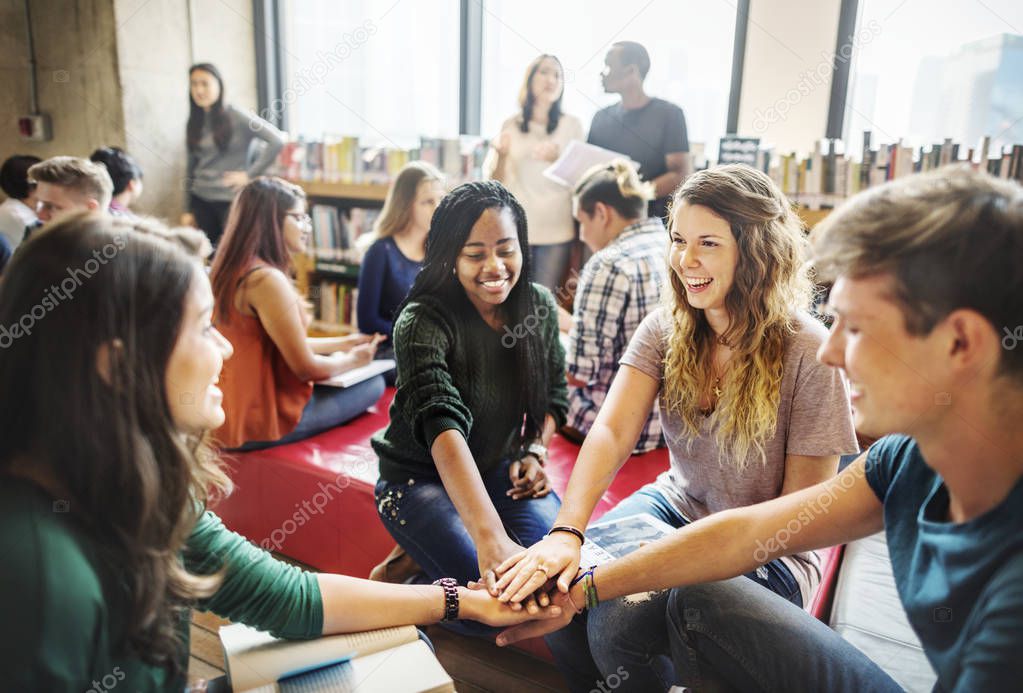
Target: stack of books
x,y
392,660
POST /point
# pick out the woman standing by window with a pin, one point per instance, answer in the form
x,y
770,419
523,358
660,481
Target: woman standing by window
x,y
218,138
528,143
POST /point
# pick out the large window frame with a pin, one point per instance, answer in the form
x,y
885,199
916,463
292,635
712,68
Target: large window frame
x,y
270,51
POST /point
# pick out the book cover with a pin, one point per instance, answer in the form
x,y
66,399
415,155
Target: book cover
x,y
611,539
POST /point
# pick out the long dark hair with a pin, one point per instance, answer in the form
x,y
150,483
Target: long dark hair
x,y
450,226
133,482
528,101
219,122
254,230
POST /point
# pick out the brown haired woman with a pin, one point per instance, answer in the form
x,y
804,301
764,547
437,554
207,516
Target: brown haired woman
x,y
218,137
106,539
269,392
747,411
527,144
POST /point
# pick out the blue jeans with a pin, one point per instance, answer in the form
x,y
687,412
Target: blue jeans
x,y
420,516
633,634
550,263
328,407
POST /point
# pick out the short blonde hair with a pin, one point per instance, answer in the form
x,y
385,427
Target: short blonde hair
x,y
75,173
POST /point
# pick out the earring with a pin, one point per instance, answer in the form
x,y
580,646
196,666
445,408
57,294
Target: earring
x,y
454,271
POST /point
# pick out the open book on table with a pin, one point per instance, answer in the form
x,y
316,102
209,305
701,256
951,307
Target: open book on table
x,y
391,660
357,375
611,539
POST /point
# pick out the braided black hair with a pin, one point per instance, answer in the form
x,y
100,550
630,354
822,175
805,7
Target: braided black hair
x,y
450,227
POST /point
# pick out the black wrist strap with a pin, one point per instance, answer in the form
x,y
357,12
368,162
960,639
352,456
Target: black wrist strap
x,y
569,530
450,587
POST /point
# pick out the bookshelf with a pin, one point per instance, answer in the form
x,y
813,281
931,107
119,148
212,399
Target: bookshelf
x,y
329,274
350,194
811,217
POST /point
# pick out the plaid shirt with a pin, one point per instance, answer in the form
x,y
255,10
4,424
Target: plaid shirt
x,y
619,285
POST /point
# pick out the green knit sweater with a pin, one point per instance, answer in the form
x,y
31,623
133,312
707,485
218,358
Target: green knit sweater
x,y
62,605
455,371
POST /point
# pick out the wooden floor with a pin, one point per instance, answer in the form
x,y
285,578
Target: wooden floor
x,y
207,657
475,665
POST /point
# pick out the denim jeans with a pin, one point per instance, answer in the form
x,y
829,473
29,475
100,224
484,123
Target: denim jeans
x,y
550,262
632,634
328,407
420,516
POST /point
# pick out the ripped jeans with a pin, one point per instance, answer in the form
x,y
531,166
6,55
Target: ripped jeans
x,y
625,641
420,516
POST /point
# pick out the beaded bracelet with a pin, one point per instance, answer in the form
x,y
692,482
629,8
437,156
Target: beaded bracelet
x,y
569,530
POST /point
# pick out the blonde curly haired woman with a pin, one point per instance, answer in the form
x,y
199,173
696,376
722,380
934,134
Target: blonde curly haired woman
x,y
747,411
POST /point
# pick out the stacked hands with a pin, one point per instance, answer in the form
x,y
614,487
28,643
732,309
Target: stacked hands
x,y
536,584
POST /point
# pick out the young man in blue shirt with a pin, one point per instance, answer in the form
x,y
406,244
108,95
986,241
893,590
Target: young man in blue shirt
x,y
927,293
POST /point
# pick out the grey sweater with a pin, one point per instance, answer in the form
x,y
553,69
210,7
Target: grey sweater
x,y
207,164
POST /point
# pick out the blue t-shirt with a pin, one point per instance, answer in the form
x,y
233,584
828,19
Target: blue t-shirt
x,y
961,584
385,277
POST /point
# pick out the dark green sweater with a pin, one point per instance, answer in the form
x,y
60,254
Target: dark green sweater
x,y
454,371
60,603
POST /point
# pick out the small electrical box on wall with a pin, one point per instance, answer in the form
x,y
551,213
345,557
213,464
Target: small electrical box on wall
x,y
35,127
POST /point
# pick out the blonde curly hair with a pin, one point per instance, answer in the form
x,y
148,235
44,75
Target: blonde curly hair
x,y
771,286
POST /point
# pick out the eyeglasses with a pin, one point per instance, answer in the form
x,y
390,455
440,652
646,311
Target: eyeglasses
x,y
299,218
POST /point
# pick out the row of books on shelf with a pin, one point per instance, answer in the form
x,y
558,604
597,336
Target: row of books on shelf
x,y
340,236
830,174
346,160
334,302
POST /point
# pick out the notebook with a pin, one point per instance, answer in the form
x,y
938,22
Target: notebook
x,y
391,660
357,375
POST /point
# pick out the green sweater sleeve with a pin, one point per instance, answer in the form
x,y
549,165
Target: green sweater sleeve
x,y
557,385
258,590
427,397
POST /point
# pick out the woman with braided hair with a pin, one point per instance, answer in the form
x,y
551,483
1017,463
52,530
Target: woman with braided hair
x,y
480,391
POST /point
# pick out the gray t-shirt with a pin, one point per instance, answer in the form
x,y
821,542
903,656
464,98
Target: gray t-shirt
x,y
814,419
646,135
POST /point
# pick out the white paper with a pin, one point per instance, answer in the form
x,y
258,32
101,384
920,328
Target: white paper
x,y
578,158
357,375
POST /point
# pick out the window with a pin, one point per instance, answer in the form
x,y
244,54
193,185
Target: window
x,y
925,70
383,70
690,46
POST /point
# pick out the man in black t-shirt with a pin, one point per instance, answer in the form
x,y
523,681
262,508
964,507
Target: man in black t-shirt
x,y
649,130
